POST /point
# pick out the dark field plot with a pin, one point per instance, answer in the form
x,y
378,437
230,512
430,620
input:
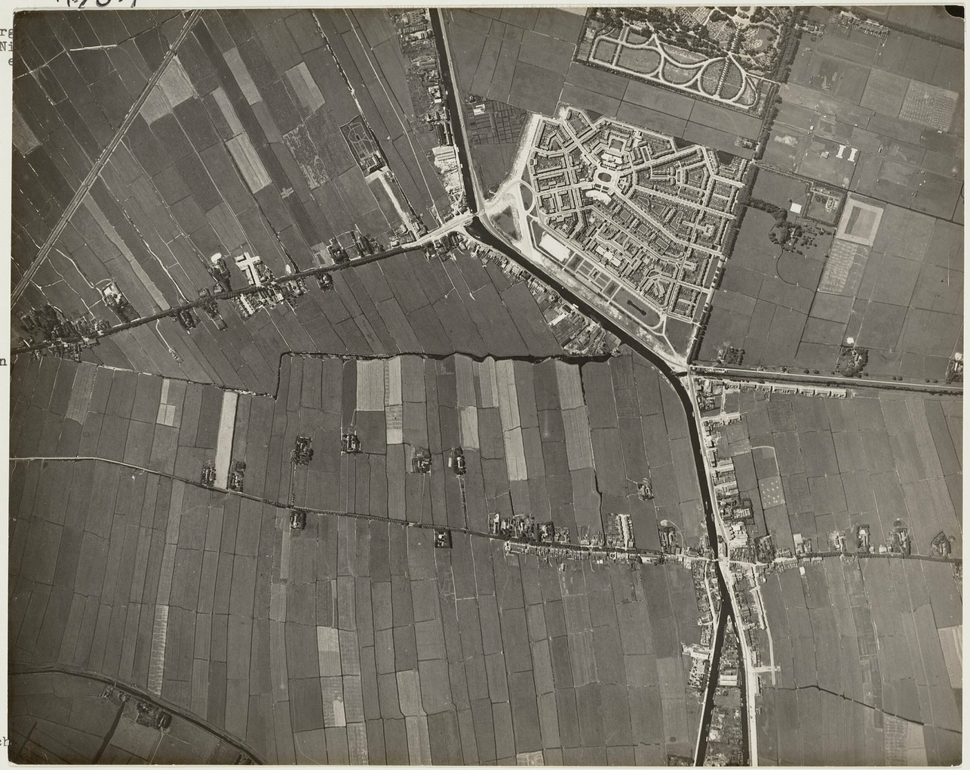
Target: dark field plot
x,y
392,306
867,460
883,461
764,299
67,719
891,279
545,76
520,59
238,148
493,130
357,638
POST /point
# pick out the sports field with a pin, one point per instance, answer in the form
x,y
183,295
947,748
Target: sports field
x,y
890,278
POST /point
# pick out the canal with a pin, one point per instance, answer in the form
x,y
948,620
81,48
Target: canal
x,y
454,111
481,232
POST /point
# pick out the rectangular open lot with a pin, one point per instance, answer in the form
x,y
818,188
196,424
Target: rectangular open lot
x,y
868,278
848,463
352,622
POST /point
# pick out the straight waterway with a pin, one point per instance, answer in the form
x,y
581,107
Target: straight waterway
x,y
480,231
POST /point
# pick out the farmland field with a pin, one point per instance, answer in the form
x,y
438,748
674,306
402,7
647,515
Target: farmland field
x,y
889,101
889,278
865,671
546,76
330,442
355,637
233,151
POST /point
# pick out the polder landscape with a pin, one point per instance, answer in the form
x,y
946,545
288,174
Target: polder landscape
x,y
487,386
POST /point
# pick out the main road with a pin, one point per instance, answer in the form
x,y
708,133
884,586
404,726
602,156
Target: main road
x,y
92,176
481,230
450,226
823,380
134,692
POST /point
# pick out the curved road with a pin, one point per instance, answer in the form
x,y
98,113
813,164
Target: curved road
x,y
19,670
481,231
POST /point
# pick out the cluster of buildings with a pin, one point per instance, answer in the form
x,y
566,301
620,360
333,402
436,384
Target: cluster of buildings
x,y
819,391
416,38
118,303
651,217
736,512
140,711
848,21
524,535
954,369
269,292
211,308
353,245
443,246
549,553
942,545
670,540
520,527
576,332
68,337
363,145
745,585
852,359
619,531
750,556
707,593
708,597
449,169
428,96
725,736
700,668
749,551
739,543
750,612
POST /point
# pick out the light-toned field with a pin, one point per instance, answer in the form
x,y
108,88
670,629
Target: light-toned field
x,y
356,639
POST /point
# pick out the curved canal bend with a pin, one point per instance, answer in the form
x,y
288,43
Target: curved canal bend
x,y
479,230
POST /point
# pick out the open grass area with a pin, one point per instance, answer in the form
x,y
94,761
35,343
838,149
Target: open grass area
x,y
887,277
70,719
879,460
545,77
889,96
239,149
350,633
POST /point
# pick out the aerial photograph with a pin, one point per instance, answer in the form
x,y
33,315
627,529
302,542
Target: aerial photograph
x,y
496,385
